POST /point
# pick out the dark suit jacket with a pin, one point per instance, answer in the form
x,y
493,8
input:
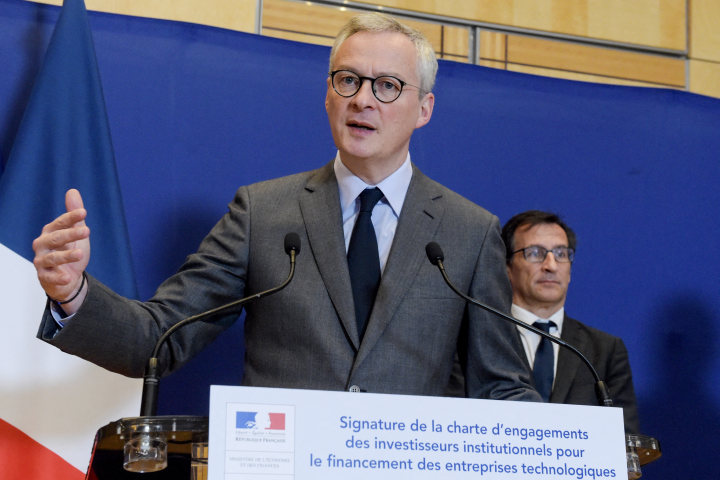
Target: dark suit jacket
x,y
306,335
575,384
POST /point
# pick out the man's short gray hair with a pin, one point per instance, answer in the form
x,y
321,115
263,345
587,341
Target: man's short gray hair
x,y
380,23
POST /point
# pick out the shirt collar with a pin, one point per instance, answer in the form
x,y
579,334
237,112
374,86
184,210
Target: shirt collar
x,y
393,187
528,317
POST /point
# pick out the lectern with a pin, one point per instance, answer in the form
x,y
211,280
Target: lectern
x,y
172,447
317,429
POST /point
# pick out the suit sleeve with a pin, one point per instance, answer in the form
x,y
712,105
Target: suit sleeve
x,y
495,368
619,382
119,334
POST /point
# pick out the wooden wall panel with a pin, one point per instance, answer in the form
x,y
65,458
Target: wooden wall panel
x,y
493,64
298,37
552,15
456,41
494,11
231,14
705,78
433,32
596,61
456,58
705,30
493,46
658,23
583,77
326,21
322,21
300,17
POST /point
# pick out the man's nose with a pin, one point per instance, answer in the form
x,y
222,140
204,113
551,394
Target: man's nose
x,y
365,96
549,263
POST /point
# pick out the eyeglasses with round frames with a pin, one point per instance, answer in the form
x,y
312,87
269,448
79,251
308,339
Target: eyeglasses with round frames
x,y
386,89
537,254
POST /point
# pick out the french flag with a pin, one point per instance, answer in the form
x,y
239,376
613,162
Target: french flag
x,y
51,403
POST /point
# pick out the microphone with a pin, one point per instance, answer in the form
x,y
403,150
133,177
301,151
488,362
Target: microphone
x,y
436,257
151,380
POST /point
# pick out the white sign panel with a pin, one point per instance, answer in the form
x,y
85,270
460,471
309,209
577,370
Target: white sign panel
x,y
283,434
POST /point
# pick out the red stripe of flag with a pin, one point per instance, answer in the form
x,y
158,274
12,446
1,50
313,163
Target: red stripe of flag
x,y
21,457
277,421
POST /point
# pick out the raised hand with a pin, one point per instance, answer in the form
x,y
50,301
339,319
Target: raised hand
x,y
62,253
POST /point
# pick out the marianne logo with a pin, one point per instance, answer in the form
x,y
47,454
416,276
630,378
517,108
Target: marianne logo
x,y
252,427
260,421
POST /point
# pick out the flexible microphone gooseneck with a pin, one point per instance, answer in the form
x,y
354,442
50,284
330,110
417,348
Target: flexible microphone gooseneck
x,y
151,381
436,257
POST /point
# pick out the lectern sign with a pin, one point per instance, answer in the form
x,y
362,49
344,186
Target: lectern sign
x,y
260,440
281,434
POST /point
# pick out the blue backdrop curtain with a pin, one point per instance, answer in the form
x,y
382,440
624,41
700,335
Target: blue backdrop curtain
x,y
195,112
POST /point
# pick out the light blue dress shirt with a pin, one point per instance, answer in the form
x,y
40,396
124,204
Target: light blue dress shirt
x,y
386,213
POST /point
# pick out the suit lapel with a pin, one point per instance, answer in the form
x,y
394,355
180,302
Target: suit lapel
x,y
320,206
568,362
419,220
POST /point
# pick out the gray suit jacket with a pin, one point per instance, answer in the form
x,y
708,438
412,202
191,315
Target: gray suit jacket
x,y
306,335
575,384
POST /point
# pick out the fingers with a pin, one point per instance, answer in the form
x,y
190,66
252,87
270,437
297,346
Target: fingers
x,y
60,284
62,250
75,216
56,236
73,201
60,271
52,259
67,220
53,278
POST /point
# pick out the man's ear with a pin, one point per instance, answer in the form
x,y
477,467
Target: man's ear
x,y
426,108
327,95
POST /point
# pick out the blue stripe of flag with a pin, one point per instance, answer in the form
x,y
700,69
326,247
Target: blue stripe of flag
x,y
64,142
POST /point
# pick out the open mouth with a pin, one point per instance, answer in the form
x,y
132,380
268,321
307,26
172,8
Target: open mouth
x,y
360,126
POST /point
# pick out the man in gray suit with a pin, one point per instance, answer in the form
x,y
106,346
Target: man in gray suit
x,y
318,333
540,249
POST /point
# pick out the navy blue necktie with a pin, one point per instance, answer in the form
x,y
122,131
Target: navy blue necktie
x,y
544,366
364,259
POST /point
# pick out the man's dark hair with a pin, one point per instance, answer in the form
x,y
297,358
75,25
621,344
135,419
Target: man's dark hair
x,y
532,218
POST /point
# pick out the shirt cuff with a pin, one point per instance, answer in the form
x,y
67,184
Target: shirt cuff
x,y
59,315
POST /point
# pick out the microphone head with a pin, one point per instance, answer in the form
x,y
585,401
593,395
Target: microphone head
x,y
434,253
292,242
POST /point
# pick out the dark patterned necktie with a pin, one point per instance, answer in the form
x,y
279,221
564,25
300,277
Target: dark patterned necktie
x,y
544,366
364,260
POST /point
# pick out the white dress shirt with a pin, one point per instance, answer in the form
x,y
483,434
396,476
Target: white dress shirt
x,y
387,211
531,340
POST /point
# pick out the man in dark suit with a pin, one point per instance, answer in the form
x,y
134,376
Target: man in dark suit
x,y
358,318
540,249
